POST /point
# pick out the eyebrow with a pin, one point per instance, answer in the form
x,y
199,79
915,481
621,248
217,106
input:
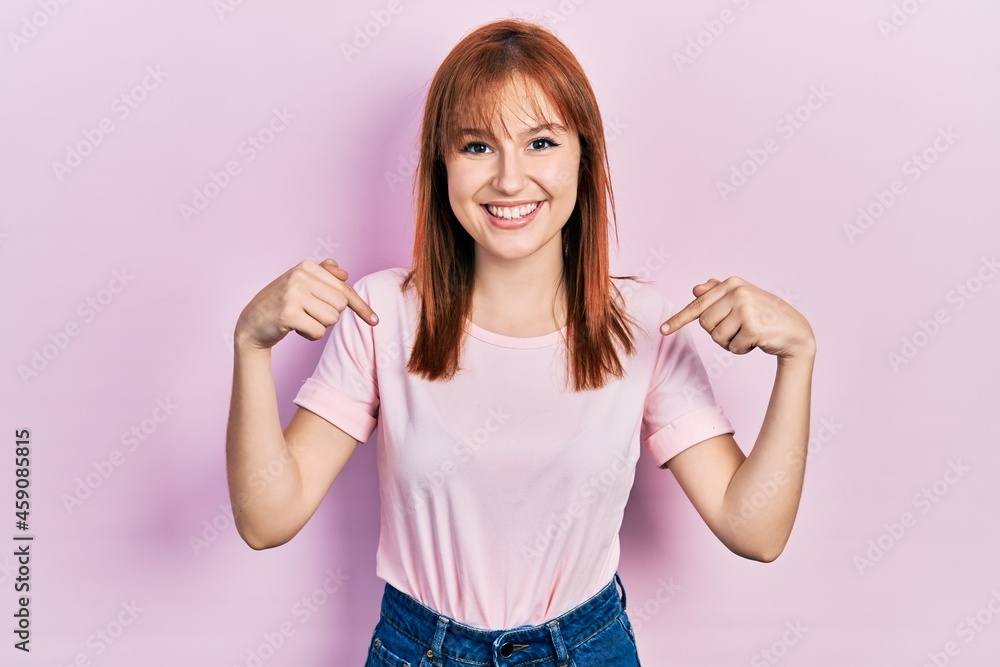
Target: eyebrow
x,y
552,127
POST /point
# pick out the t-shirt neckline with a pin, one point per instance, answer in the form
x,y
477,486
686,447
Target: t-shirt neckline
x,y
516,342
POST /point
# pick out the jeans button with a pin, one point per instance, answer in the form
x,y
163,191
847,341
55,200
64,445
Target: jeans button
x,y
506,650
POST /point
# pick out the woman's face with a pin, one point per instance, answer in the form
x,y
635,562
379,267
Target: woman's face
x,y
513,194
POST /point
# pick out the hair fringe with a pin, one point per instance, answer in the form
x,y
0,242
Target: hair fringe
x,y
598,324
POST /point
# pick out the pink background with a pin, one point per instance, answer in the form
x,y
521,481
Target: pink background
x,y
334,181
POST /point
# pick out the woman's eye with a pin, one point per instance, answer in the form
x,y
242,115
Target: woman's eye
x,y
476,148
542,143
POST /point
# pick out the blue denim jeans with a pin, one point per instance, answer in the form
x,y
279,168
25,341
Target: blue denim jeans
x,y
595,632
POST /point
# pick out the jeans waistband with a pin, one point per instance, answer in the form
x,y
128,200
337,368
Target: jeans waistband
x,y
524,644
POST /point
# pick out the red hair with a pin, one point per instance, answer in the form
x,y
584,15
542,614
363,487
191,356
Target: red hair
x,y
466,88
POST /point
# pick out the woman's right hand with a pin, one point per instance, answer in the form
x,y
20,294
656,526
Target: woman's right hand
x,y
306,299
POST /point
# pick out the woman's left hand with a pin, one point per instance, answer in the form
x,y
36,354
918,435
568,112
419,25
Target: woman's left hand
x,y
740,316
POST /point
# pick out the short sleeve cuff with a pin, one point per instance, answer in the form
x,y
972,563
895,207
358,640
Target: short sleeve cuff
x,y
687,430
337,408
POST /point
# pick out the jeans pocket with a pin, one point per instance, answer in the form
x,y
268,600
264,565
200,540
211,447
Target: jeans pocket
x,y
381,656
611,645
388,647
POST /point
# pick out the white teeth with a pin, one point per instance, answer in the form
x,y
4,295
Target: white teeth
x,y
511,212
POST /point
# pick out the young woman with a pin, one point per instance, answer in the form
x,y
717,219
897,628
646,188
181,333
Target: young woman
x,y
513,382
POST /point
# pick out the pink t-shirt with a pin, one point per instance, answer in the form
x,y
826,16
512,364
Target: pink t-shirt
x,y
502,492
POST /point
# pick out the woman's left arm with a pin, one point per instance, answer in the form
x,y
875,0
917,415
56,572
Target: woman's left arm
x,y
750,502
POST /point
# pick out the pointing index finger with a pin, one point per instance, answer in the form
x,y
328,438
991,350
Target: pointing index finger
x,y
693,310
359,306
354,300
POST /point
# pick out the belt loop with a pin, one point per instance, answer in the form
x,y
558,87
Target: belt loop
x,y
562,655
442,626
622,586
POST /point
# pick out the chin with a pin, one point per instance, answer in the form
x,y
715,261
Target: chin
x,y
509,248
510,254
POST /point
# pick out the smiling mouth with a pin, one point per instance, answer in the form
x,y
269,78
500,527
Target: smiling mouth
x,y
512,212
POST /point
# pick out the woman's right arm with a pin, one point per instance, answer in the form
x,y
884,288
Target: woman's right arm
x,y
278,479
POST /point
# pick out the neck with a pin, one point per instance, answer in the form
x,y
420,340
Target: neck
x,y
523,297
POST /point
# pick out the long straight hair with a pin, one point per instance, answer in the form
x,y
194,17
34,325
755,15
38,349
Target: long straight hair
x,y
467,87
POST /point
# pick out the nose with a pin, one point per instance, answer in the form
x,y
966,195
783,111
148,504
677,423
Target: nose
x,y
510,175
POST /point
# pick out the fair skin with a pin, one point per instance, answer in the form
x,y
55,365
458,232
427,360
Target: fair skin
x,y
517,292
518,264
724,485
277,479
